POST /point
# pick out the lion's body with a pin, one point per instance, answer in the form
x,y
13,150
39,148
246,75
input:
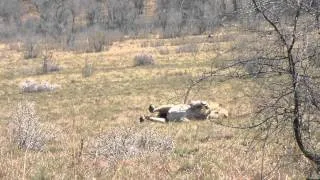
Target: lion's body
x,y
196,110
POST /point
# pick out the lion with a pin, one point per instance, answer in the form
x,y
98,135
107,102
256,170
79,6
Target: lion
x,y
196,110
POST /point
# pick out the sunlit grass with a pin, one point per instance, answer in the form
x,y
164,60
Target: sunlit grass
x,y
116,94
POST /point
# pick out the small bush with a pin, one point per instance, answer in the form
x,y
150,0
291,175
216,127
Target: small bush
x,y
145,44
143,60
48,64
188,48
30,86
88,69
15,46
253,69
163,50
25,129
31,49
97,42
123,143
101,40
157,43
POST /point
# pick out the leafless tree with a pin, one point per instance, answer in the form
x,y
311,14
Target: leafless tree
x,y
289,94
302,85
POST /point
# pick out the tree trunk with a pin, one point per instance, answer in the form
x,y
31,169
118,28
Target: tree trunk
x,y
235,6
223,6
297,114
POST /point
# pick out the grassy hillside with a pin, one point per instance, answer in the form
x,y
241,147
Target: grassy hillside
x,y
113,97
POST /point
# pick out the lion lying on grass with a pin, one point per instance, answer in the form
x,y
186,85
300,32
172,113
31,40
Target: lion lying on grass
x,y
196,110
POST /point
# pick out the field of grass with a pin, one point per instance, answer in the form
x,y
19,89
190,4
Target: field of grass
x,y
114,96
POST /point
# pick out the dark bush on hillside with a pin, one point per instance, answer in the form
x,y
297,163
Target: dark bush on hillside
x,y
143,60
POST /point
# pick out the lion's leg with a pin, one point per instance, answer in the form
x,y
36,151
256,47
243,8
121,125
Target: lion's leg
x,y
157,119
154,119
161,116
161,109
185,120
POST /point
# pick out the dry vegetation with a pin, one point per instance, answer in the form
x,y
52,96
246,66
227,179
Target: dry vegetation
x,y
116,94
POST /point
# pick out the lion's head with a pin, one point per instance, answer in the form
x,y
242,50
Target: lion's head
x,y
202,110
199,110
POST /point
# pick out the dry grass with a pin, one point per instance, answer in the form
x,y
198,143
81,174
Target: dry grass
x,y
127,143
188,48
116,94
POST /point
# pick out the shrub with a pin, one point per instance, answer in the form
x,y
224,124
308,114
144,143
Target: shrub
x,y
145,44
48,64
157,43
16,46
25,129
143,60
96,39
30,86
188,48
163,50
97,42
252,68
100,40
88,69
123,143
31,49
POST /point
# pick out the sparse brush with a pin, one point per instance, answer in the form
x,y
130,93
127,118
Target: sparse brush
x,y
163,50
123,143
145,44
25,130
31,49
143,60
101,40
253,69
30,86
97,41
157,43
48,64
188,48
88,69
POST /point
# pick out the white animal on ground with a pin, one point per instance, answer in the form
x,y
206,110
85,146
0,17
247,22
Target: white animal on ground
x,y
196,110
